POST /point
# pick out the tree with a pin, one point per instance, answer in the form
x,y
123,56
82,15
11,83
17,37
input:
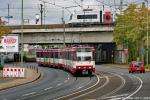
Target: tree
x,y
130,29
4,29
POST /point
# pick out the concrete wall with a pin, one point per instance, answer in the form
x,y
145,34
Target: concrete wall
x,y
78,37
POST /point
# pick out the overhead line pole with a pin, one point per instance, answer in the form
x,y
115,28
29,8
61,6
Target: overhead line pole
x,y
22,40
63,21
41,11
147,35
8,13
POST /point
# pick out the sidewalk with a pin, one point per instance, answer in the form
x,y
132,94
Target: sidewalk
x,y
124,66
31,75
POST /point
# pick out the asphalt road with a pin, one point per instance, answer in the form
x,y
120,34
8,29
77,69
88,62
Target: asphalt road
x,y
108,83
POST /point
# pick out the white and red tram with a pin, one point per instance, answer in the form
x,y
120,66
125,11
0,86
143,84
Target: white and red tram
x,y
78,60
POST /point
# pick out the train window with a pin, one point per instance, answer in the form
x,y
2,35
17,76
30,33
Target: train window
x,y
84,50
108,17
38,54
56,55
93,16
88,58
79,58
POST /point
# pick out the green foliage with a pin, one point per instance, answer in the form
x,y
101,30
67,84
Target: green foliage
x,y
131,28
148,66
4,29
1,67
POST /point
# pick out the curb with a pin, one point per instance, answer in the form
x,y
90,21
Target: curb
x,y
19,84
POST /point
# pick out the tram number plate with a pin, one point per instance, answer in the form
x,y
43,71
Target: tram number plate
x,y
85,72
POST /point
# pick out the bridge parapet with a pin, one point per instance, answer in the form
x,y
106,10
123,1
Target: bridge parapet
x,y
73,29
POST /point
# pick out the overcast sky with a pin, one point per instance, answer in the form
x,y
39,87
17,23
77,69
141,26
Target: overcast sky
x,y
52,12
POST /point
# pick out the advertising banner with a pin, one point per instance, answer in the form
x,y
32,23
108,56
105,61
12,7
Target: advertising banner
x,y
9,43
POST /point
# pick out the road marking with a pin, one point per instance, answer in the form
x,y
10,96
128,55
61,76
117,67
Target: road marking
x,y
68,76
29,94
116,96
79,87
117,89
98,80
65,81
107,81
141,83
48,88
59,84
4,99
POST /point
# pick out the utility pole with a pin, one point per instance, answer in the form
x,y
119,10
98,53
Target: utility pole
x,y
147,35
22,40
63,21
121,5
41,11
8,13
44,12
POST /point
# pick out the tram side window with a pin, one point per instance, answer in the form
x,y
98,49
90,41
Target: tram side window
x,y
69,54
41,54
38,54
66,55
46,54
60,55
49,55
52,55
56,54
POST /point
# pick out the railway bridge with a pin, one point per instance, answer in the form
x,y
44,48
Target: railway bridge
x,y
56,35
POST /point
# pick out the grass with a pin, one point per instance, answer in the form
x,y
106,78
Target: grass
x,y
148,66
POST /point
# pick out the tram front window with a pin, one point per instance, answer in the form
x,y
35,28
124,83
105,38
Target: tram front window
x,y
84,58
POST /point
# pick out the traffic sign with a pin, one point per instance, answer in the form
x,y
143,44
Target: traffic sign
x,y
8,17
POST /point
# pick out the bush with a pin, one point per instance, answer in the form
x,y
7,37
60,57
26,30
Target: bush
x,y
148,66
1,67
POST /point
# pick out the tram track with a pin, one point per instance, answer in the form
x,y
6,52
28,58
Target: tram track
x,y
103,85
92,92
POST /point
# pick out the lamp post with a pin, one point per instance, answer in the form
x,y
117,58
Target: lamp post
x,y
22,33
147,36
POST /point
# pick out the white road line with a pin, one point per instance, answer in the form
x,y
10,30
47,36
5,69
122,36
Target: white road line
x,y
116,96
59,84
81,90
107,81
67,76
48,88
4,99
83,85
79,87
29,94
117,89
141,83
65,81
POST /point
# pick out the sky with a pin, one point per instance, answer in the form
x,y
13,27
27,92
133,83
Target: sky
x,y
53,9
